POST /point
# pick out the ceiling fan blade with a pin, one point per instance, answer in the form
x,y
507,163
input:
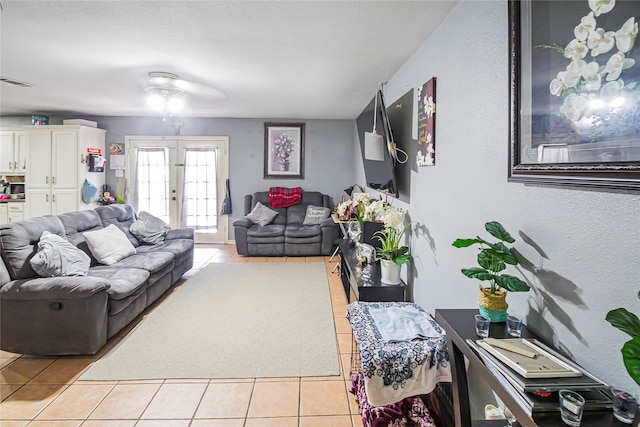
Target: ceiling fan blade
x,y
200,90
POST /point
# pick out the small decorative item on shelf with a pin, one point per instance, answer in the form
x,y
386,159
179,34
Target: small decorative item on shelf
x,y
391,253
106,198
493,259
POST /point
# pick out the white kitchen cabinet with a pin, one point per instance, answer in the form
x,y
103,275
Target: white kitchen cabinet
x,y
15,211
58,166
4,213
14,146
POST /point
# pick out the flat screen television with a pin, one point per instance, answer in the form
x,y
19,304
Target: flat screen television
x,y
376,148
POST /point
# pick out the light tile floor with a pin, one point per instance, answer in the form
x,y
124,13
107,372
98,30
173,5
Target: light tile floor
x,y
45,391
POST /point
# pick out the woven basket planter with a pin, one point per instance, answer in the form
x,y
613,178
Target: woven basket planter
x,y
493,306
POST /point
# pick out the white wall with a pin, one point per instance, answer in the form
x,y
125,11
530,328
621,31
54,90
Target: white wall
x,y
584,245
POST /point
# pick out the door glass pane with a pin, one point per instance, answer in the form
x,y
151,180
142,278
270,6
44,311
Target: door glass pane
x,y
152,182
200,198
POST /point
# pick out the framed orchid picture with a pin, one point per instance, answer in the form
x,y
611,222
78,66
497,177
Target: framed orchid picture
x,y
575,93
426,152
284,150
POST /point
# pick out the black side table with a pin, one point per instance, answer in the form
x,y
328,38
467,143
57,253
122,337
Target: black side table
x,y
365,280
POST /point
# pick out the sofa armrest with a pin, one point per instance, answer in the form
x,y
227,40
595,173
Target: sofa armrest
x,y
243,222
179,233
52,288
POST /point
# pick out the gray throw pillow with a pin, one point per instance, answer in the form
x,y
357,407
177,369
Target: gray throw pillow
x,y
261,214
58,257
316,214
149,229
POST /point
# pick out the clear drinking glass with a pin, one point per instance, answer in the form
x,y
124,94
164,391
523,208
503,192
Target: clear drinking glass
x,y
571,406
482,326
514,326
625,405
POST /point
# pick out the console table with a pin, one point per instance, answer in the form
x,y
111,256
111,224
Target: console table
x,y
365,280
459,326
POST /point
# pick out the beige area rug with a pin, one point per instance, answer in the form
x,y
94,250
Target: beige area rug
x,y
233,320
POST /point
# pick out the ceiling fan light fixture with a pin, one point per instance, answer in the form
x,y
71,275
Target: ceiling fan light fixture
x,y
164,93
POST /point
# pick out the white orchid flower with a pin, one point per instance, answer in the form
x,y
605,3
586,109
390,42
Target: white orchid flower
x,y
576,50
601,6
587,24
556,87
592,76
600,41
575,107
574,72
612,90
626,35
616,64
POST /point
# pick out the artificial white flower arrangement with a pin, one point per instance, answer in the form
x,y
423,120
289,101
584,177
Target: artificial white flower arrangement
x,y
593,88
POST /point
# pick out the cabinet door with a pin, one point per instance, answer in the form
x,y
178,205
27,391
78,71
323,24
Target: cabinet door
x,y
39,155
38,203
21,147
65,159
7,154
4,217
64,201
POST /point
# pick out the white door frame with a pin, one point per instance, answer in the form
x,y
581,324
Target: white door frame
x,y
223,166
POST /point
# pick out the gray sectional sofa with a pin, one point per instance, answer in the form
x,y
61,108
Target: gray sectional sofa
x,y
77,315
286,235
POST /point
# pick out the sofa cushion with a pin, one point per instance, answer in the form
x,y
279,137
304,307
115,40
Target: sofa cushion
x,y
18,242
153,261
271,230
180,248
124,281
122,216
262,215
149,229
77,222
303,231
58,257
109,245
315,215
296,214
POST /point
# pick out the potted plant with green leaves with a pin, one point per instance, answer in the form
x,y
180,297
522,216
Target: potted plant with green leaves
x,y
493,259
392,254
628,323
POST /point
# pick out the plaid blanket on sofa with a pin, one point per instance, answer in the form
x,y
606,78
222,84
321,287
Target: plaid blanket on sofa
x,y
282,197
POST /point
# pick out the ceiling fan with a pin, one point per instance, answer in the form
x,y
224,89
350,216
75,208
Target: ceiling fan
x,y
167,92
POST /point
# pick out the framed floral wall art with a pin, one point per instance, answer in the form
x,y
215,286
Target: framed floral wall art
x,y
426,153
575,93
284,150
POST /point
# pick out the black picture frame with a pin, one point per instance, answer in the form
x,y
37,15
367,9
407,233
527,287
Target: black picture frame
x,y
284,150
541,150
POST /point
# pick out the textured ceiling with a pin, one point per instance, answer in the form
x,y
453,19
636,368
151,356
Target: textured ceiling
x,y
278,59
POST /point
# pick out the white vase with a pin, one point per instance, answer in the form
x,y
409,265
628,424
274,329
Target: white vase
x,y
389,272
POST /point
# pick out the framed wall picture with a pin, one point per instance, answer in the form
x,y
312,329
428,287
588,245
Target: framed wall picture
x,y
426,153
574,93
284,150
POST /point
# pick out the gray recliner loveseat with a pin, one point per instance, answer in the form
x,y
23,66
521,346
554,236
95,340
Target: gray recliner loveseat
x,y
77,314
286,235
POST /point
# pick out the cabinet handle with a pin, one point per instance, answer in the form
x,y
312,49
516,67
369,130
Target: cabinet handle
x,y
10,165
53,180
46,182
54,198
47,198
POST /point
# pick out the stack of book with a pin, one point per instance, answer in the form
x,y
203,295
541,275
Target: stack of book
x,y
534,373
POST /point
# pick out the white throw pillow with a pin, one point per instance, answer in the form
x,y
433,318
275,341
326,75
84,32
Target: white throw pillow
x,y
261,215
109,245
58,257
316,214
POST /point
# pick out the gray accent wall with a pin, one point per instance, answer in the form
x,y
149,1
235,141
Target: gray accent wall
x,y
582,246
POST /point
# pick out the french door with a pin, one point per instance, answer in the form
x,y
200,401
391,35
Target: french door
x,y
181,181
